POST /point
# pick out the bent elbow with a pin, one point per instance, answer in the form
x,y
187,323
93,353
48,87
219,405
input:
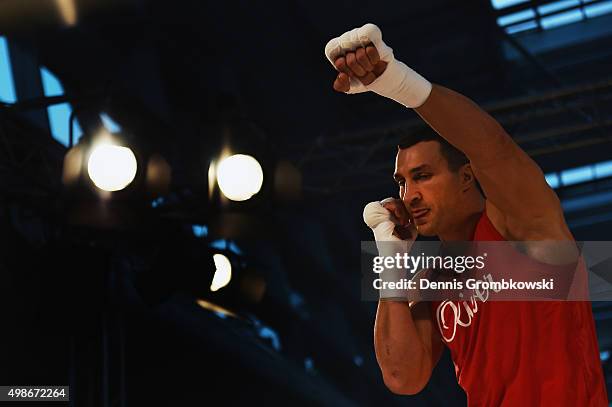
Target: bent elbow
x,y
404,386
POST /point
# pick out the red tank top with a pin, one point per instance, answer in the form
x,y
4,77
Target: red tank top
x,y
523,353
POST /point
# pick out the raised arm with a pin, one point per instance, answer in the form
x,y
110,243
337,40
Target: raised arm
x,y
513,183
518,197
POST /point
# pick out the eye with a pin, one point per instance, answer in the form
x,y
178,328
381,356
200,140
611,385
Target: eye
x,y
401,182
421,176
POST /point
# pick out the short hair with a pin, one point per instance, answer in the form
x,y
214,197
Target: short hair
x,y
454,157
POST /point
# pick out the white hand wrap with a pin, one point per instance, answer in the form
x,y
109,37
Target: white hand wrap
x,y
398,82
382,223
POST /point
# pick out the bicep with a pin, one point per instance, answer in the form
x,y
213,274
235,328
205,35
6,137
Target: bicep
x,y
430,337
509,177
514,183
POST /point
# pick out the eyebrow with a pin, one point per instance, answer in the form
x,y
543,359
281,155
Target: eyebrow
x,y
421,167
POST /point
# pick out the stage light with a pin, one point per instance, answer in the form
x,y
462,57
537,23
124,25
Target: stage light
x,y
223,273
239,177
111,167
68,11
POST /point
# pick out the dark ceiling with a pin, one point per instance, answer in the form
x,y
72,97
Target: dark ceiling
x,y
169,73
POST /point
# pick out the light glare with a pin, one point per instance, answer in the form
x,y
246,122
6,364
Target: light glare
x,y
223,272
239,176
111,167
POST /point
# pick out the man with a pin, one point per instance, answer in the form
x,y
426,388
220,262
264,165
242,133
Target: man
x,y
513,353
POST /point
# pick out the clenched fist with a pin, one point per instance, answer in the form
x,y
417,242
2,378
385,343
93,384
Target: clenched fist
x,y
405,227
363,64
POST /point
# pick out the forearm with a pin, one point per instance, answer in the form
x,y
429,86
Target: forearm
x,y
455,117
464,124
399,349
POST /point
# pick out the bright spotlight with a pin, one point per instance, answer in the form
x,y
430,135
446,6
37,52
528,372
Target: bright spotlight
x,y
111,167
239,176
223,274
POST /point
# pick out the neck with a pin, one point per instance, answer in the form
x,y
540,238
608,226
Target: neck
x,y
464,229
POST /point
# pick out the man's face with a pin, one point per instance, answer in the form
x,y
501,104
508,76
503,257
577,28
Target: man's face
x,y
429,190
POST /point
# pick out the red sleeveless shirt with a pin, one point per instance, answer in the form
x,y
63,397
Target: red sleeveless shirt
x,y
523,353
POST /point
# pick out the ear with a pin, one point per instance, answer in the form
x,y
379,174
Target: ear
x,y
467,177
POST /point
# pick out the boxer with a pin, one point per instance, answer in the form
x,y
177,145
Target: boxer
x,y
470,181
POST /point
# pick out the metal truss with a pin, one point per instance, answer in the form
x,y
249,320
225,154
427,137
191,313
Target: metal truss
x,y
30,162
557,121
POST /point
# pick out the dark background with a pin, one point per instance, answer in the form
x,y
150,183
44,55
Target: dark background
x,y
108,305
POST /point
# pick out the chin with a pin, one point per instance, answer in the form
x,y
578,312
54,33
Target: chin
x,y
428,234
427,230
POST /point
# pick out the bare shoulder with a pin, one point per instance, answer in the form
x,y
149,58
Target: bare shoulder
x,y
551,226
548,239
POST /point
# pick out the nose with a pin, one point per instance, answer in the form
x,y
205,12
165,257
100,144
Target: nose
x,y
411,196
